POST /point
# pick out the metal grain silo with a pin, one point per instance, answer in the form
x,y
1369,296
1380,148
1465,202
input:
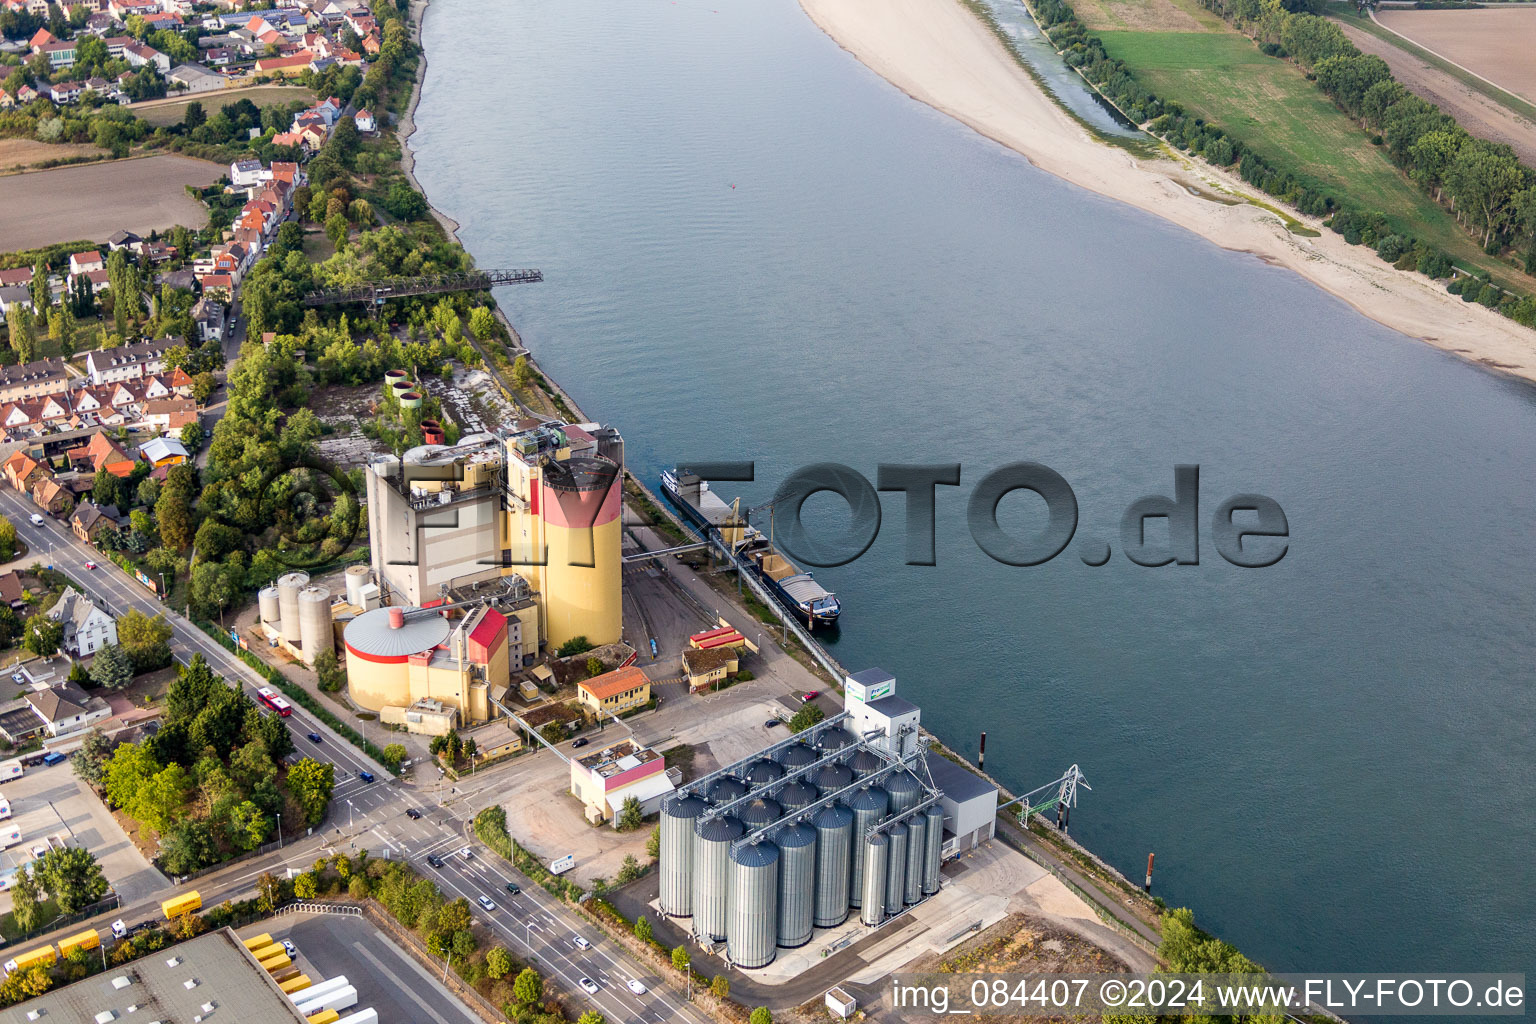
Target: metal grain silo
x,y
868,807
271,609
757,813
677,820
315,636
288,588
797,756
711,861
830,778
834,845
796,795
917,849
723,791
933,851
905,791
863,762
835,738
357,579
751,931
875,850
896,869
797,884
763,771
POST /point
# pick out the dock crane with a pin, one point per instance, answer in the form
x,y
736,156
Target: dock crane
x,y
1061,793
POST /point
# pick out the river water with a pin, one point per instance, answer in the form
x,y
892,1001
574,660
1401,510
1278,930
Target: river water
x,y
754,248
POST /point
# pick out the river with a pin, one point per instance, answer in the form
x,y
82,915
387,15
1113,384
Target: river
x,y
754,248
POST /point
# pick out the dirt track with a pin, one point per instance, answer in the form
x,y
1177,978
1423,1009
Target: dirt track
x,y
95,200
1477,113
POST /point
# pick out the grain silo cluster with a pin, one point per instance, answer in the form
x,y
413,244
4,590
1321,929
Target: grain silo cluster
x,y
844,818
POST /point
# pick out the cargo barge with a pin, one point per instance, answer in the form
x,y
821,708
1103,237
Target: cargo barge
x,y
798,591
703,508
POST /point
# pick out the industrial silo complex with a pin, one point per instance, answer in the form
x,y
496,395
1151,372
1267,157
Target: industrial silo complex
x,y
853,814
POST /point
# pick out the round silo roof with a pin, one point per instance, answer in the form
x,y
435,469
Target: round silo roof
x,y
373,636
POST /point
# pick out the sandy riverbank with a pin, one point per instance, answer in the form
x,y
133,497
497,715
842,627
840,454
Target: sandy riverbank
x,y
937,52
407,126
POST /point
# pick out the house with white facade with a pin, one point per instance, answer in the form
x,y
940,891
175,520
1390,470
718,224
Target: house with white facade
x,y
66,708
87,627
128,362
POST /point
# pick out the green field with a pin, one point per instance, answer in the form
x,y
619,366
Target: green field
x,y
161,112
1269,104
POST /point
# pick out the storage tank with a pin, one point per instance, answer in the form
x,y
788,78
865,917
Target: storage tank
x,y
868,807
410,399
752,915
904,789
830,778
288,588
796,795
578,502
835,738
357,579
400,385
391,377
917,849
933,854
711,848
723,791
755,814
315,636
763,771
896,869
797,756
863,762
271,609
875,850
432,432
677,819
834,841
797,884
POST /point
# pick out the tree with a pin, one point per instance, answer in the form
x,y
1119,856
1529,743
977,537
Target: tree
x,y
194,117
807,716
631,816
629,870
498,963
111,668
680,958
23,333
405,202
43,635
158,803
522,373
574,646
188,846
248,826
653,843
336,229
482,323
26,900
643,928
72,877
91,759
192,436
528,988
329,671
269,892
720,986
10,626
306,886
173,511
311,783
591,1017
394,753
471,748
146,640
760,1015
7,539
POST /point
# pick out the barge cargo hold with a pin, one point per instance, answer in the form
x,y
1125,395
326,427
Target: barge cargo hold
x,y
798,591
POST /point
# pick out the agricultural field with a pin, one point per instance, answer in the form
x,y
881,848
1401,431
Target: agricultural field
x,y
1146,16
1499,44
167,112
18,153
95,200
1268,103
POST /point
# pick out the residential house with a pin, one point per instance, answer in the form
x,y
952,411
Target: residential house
x,y
128,362
11,590
35,415
613,693
163,19
209,317
32,380
164,452
158,252
26,94
14,295
41,38
125,240
20,471
708,667
220,286
185,280
285,67
49,495
64,92
85,262
87,626
364,121
138,54
170,414
244,173
90,519
103,455
66,708
194,78
115,45
19,276
218,56
181,381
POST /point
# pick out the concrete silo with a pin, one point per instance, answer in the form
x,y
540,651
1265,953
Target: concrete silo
x,y
288,588
875,850
357,579
711,862
868,807
751,932
578,503
896,869
677,819
917,850
271,608
797,884
933,852
834,847
315,636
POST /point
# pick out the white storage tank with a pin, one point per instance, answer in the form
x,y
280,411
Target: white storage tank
x,y
315,636
288,588
271,610
357,579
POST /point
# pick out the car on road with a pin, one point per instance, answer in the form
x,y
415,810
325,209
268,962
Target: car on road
x,y
37,520
579,741
809,695
314,737
39,850
54,757
365,776
589,985
290,948
635,987
487,905
17,677
580,942
466,853
514,888
413,814
772,723
90,565
434,860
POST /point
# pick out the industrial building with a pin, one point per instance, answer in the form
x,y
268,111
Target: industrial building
x,y
409,662
851,815
604,780
535,501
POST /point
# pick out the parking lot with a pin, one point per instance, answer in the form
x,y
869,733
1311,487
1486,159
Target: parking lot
x,y
48,802
386,977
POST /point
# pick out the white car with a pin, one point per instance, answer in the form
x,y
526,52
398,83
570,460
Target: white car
x,y
589,985
465,853
635,987
37,520
580,942
487,905
290,948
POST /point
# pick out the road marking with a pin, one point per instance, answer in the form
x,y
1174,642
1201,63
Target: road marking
x,y
379,965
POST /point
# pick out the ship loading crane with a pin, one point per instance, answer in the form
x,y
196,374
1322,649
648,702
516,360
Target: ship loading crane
x,y
1061,794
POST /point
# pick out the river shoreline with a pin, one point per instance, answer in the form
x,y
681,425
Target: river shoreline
x,y
939,53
